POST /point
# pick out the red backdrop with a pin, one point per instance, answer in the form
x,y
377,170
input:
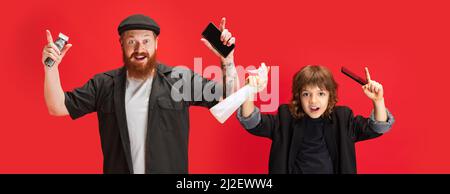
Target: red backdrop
x,y
405,45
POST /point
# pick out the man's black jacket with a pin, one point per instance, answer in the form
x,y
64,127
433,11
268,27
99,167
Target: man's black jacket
x,y
168,119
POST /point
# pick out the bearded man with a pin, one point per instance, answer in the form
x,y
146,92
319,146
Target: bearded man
x,y
142,128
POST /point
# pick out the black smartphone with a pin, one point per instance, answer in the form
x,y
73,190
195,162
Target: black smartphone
x,y
352,75
212,34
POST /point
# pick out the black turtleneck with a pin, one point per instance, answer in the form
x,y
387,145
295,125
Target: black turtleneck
x,y
313,156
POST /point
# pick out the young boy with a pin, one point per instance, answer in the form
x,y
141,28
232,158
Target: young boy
x,y
311,135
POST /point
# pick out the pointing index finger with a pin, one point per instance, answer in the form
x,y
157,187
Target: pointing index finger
x,y
367,74
222,24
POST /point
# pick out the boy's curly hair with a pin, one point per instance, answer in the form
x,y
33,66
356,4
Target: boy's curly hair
x,y
312,75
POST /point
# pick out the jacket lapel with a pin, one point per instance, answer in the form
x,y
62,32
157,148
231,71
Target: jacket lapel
x,y
330,139
119,103
297,138
158,89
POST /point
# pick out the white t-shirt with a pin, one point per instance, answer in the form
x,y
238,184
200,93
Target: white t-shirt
x,y
137,95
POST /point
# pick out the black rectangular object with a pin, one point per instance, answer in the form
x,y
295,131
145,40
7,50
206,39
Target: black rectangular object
x,y
352,75
212,34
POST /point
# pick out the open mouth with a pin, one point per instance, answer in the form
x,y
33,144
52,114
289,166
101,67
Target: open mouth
x,y
140,57
314,108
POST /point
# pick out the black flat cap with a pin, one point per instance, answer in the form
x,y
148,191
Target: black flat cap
x,y
138,22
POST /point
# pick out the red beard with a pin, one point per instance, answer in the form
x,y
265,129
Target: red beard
x,y
137,69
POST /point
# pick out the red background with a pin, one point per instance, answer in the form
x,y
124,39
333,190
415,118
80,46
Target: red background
x,y
404,43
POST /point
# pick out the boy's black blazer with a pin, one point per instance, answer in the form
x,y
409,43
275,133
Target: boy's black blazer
x,y
342,130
